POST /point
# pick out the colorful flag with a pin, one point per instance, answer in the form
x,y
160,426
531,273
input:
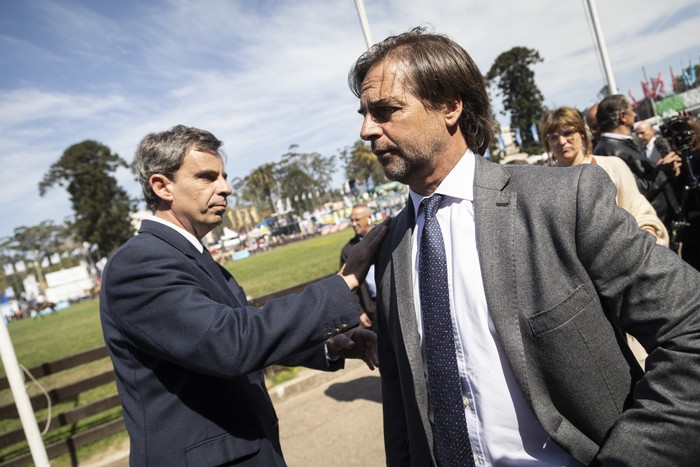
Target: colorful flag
x,y
688,74
535,133
657,86
648,93
634,101
518,139
501,144
691,72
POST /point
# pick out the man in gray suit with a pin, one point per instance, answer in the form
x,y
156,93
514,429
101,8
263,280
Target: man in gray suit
x,y
544,275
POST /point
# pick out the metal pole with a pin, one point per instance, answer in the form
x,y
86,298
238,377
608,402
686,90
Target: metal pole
x,y
612,87
24,407
363,22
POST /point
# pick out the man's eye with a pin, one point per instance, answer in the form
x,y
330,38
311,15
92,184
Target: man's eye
x,y
383,114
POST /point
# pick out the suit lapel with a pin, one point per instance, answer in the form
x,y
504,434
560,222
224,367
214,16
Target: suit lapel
x,y
495,211
403,279
208,266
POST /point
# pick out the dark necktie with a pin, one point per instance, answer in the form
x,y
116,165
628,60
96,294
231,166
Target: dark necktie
x,y
450,424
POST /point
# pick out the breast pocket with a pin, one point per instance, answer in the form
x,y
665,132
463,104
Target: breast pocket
x,y
551,319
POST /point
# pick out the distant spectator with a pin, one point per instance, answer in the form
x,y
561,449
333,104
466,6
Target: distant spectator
x,y
615,117
565,138
361,219
654,147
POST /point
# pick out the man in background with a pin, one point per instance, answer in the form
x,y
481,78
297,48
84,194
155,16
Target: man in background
x,y
654,147
616,117
361,220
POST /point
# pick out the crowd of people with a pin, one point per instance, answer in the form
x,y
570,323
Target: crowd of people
x,y
656,179
501,294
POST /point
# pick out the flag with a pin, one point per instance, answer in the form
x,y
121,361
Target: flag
x,y
688,74
648,93
691,72
487,154
518,139
501,144
657,86
673,79
634,101
535,133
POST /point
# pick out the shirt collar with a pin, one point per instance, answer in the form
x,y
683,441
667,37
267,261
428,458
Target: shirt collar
x,y
615,136
191,238
459,183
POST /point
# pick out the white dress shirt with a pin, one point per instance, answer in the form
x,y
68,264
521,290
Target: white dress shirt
x,y
503,430
649,147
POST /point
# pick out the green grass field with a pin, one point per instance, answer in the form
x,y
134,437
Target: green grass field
x,y
77,328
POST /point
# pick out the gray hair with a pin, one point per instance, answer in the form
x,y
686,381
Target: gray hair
x,y
438,71
163,153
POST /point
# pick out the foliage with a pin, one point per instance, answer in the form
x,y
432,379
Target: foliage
x,y
101,206
361,164
522,98
303,176
297,177
261,183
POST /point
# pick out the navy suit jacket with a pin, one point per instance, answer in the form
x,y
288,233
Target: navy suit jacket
x,y
188,351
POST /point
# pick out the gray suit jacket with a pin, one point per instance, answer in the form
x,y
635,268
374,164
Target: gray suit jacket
x,y
565,272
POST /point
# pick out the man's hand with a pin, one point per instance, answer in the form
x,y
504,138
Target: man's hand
x,y
362,256
674,161
365,321
355,343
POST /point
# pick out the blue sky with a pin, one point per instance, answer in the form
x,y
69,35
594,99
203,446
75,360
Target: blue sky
x,y
263,75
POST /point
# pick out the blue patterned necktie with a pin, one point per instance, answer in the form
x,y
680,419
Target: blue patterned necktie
x,y
450,424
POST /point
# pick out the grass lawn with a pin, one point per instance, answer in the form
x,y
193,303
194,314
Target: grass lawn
x,y
77,328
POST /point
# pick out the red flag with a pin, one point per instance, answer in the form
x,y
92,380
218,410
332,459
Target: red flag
x,y
634,101
647,92
673,79
662,86
657,86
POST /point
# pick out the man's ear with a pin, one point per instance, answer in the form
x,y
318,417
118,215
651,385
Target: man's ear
x,y
453,111
162,187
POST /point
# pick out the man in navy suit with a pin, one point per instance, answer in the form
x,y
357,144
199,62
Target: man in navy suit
x,y
188,350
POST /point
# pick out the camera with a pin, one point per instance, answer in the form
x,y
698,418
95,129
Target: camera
x,y
679,133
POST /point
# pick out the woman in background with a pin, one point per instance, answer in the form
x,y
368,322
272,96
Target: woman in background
x,y
567,141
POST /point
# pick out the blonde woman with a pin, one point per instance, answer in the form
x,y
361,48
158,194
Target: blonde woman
x,y
567,141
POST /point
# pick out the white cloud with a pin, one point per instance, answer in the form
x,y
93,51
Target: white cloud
x,y
264,75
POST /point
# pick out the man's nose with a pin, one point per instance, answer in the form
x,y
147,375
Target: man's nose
x,y
225,188
370,129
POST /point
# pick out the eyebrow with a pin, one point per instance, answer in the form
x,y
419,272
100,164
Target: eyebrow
x,y
387,101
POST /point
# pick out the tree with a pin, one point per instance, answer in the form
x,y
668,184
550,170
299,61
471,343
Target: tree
x,y
361,164
303,176
101,206
262,183
522,98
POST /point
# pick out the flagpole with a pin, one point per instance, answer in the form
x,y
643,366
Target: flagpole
x,y
651,98
359,5
19,393
612,87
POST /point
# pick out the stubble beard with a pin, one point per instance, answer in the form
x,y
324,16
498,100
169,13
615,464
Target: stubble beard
x,y
405,166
